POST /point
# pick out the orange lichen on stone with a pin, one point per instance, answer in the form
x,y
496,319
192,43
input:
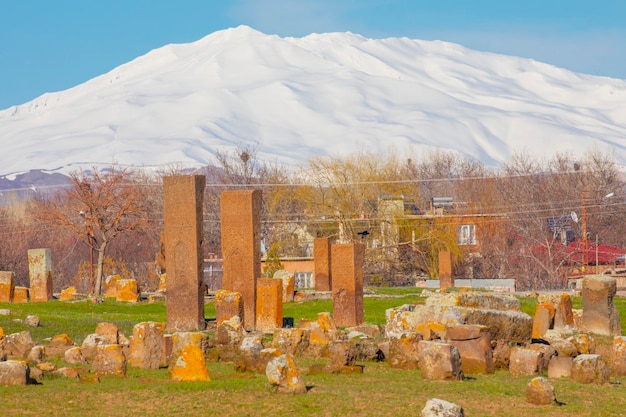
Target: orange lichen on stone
x,y
190,366
21,295
110,286
127,290
68,294
543,320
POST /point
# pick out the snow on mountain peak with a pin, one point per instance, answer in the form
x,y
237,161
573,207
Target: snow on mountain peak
x,y
316,95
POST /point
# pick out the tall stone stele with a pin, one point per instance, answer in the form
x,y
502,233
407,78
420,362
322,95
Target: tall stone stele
x,y
347,283
322,263
40,274
183,196
600,315
240,213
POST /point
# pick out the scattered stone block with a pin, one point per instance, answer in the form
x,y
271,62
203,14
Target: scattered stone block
x,y
40,274
283,374
110,286
74,356
563,347
182,203
37,354
66,372
109,361
404,351
108,332
269,304
240,214
17,345
127,290
540,392
253,356
189,365
293,341
146,349
474,345
347,286
46,366
525,361
68,294
588,368
501,354
600,315
230,332
436,407
322,264
547,353
21,295
32,321
585,344
89,346
228,304
618,356
13,372
562,303
7,286
439,361
560,366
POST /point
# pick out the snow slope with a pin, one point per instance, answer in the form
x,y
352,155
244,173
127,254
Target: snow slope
x,y
323,94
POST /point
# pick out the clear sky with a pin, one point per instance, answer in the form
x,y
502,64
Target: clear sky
x,y
52,45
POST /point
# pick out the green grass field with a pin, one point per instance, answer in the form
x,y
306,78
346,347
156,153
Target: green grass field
x,y
379,391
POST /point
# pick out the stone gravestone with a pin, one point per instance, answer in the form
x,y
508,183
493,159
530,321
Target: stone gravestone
x,y
600,315
347,283
321,263
40,274
7,286
227,305
241,247
445,270
269,304
182,202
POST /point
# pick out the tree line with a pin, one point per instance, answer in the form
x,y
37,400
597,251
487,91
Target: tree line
x,y
109,221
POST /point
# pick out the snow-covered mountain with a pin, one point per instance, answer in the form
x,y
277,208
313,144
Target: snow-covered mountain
x,y
323,94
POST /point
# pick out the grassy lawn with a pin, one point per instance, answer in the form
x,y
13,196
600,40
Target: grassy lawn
x,y
379,391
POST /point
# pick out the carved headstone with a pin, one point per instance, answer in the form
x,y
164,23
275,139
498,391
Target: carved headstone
x,y
40,274
7,286
322,264
269,304
600,315
183,197
446,280
241,247
347,283
227,304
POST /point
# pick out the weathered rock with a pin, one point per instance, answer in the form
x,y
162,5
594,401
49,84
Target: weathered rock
x,y
588,368
7,286
404,351
3,355
441,408
17,345
109,361
230,332
439,361
228,304
47,367
547,353
501,354
146,349
32,321
189,365
540,392
293,341
432,320
283,374
477,300
181,340
560,366
585,344
562,303
474,345
600,315
14,372
59,344
68,294
289,282
109,333
69,372
563,347
89,346
525,361
36,355
127,290
269,304
74,356
110,286
543,320
618,355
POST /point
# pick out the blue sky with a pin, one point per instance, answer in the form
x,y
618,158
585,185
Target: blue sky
x,y
52,45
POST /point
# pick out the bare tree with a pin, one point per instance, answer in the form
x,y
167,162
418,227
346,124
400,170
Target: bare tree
x,y
97,206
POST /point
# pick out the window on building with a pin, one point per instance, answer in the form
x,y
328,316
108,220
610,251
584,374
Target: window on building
x,y
466,235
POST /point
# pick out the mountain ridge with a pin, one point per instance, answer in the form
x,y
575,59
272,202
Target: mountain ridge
x,y
322,94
